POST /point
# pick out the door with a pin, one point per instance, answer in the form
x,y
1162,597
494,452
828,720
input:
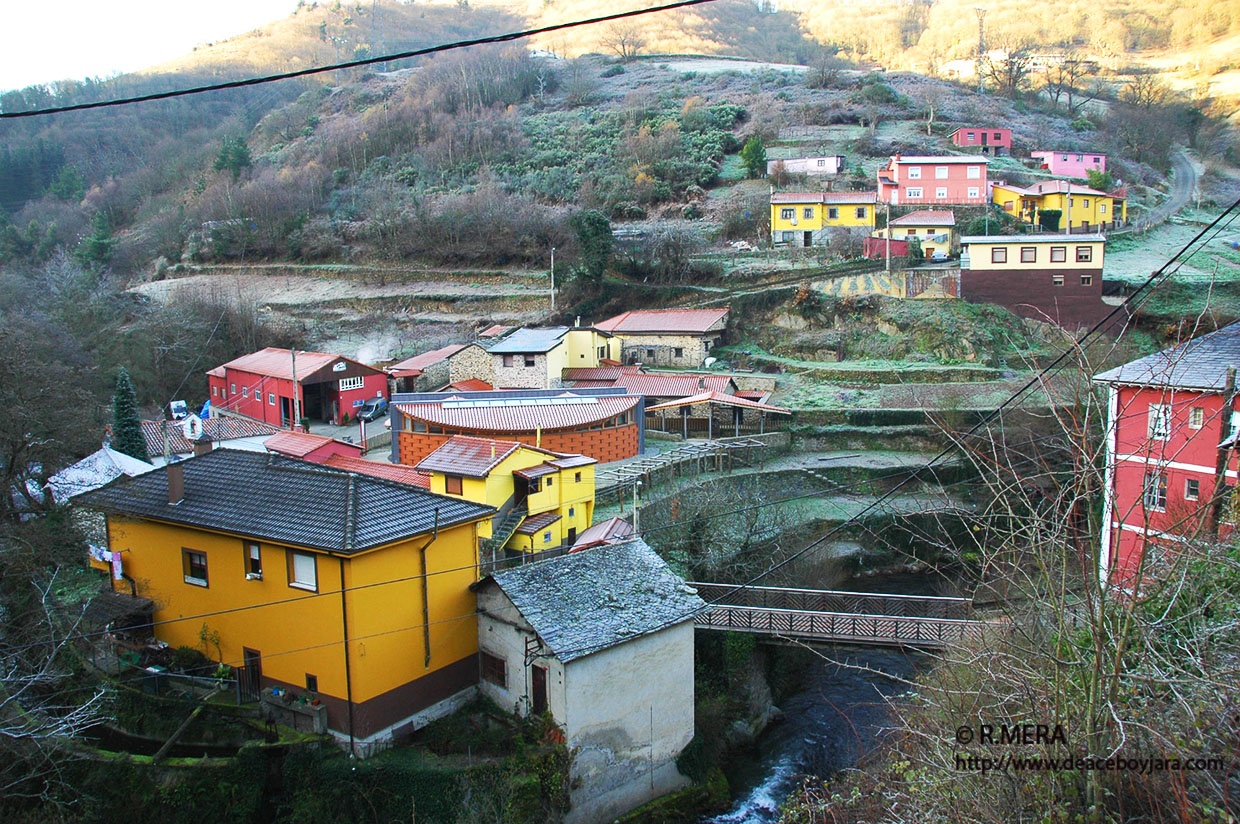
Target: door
x,y
286,411
809,238
572,535
539,677
252,676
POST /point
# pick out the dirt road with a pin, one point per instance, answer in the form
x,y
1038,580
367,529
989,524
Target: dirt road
x,y
1183,184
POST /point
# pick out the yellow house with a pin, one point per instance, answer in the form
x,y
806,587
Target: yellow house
x,y
806,218
537,358
934,229
324,583
1091,210
544,499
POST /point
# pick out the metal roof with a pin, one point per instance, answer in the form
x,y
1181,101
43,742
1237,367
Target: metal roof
x,y
597,598
472,457
521,414
225,428
275,498
1033,238
278,363
529,340
726,400
926,217
1200,363
611,530
670,321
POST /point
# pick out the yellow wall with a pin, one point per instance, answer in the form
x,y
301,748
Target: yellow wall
x,y
980,254
294,629
1099,209
819,216
925,235
583,346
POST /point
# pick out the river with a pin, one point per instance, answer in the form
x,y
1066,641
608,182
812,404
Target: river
x,y
834,721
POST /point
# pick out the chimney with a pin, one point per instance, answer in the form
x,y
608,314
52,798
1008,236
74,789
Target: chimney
x,y
579,320
176,483
203,445
701,382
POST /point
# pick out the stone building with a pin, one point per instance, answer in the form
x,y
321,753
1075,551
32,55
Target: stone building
x,y
667,337
603,640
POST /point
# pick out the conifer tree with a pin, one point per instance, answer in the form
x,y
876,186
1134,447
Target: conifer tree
x,y
126,428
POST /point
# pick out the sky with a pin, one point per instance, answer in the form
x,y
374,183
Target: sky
x,y
46,40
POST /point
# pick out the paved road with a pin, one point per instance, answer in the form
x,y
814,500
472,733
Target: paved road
x,y
1183,184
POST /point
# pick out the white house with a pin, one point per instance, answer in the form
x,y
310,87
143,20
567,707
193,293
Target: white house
x,y
92,472
603,639
825,165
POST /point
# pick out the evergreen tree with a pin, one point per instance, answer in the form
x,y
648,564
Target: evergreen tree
x,y
97,247
126,428
233,157
753,157
595,239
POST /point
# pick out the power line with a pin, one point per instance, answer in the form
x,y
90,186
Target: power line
x,y
351,64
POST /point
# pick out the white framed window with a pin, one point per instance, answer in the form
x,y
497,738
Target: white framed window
x,y
1192,489
234,388
914,191
940,173
914,173
194,564
271,398
215,391
860,213
1197,417
1102,208
940,192
303,571
1085,202
1158,424
975,192
973,172
787,214
245,391
833,213
1154,495
352,383
1087,280
807,212
547,537
253,561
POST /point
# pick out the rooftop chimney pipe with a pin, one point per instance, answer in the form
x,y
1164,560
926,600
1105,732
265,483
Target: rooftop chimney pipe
x,y
176,483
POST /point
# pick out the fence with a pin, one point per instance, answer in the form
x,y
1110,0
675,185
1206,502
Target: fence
x,y
825,600
887,630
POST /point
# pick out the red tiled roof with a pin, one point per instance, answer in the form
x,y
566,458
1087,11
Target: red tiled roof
x,y
426,359
726,400
463,455
216,429
494,331
536,522
520,414
392,472
278,363
1046,187
974,159
824,197
752,395
471,385
301,444
672,321
927,217
664,386
603,375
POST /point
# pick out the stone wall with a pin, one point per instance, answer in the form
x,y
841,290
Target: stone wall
x,y
520,376
471,363
661,350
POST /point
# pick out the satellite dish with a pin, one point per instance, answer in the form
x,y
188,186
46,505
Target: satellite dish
x,y
178,409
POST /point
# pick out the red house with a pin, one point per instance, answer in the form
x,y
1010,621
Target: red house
x,y
264,384
991,141
933,180
1171,424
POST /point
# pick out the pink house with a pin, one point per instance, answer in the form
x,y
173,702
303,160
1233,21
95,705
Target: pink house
x,y
1071,164
930,180
990,141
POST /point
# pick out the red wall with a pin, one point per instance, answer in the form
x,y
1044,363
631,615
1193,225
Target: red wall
x,y
1187,453
222,395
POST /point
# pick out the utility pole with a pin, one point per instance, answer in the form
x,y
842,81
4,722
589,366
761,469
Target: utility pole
x,y
887,232
552,278
296,394
636,517
981,43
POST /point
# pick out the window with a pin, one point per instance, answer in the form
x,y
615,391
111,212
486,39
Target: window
x,y
577,477
1084,254
452,484
508,360
1192,489
971,136
911,232
914,191
494,669
1057,280
833,213
860,213
680,352
787,237
822,162
572,511
1087,280
1097,160
529,360
194,564
271,398
419,426
215,391
1085,202
1079,158
1154,496
234,388
1007,205
253,561
602,352
1028,254
1197,417
312,683
1102,208
973,173
807,212
1059,254
650,354
245,391
940,173
303,571
787,214
998,135
914,173
351,383
550,481
547,537
974,192
940,192
998,254
1158,424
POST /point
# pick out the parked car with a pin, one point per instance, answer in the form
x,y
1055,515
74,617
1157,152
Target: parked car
x,y
938,256
372,409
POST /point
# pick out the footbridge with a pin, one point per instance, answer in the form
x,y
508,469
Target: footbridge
x,y
808,615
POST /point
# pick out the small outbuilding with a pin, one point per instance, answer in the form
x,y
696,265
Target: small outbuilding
x,y
603,640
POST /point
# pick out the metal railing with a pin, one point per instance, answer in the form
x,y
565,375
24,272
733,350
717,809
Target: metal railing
x,y
835,601
885,630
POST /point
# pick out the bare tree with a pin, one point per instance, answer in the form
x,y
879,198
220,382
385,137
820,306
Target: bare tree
x,y
1146,91
1065,80
1010,72
625,39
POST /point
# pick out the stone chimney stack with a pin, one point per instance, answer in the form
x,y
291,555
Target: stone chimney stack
x,y
203,445
176,483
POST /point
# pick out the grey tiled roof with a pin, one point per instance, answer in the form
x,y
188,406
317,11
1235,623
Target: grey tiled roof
x,y
1200,363
593,599
529,340
286,500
